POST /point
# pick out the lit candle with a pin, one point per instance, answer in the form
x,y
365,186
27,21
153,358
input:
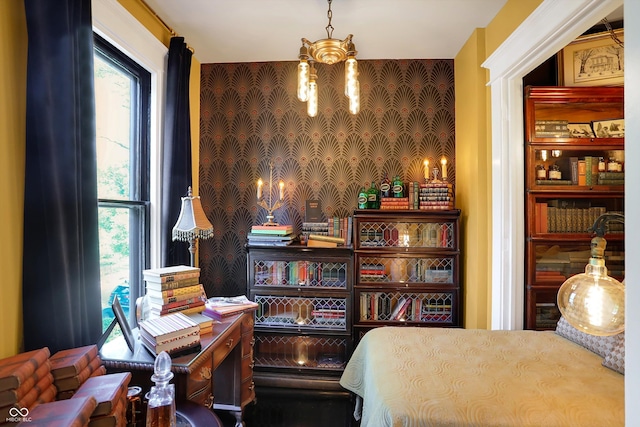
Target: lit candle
x,y
260,189
281,184
444,167
426,169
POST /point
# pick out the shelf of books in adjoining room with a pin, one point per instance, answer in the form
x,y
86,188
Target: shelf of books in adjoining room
x,y
174,333
219,308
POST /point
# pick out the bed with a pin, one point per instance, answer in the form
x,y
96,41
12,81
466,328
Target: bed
x,y
409,376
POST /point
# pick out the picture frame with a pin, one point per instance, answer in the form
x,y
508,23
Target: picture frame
x,y
581,130
124,323
593,60
613,128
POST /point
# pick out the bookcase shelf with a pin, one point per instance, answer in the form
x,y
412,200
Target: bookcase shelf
x,y
303,324
406,269
588,180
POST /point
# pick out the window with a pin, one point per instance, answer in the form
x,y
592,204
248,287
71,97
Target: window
x,y
123,97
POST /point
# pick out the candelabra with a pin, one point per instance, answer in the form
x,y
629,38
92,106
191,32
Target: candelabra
x,y
435,171
270,206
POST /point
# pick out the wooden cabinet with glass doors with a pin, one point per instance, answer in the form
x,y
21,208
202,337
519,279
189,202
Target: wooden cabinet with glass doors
x,y
574,167
406,269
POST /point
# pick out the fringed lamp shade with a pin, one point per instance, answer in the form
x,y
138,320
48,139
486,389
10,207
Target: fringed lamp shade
x,y
192,223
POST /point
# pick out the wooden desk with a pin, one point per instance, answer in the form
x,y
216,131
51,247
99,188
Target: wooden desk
x,y
226,360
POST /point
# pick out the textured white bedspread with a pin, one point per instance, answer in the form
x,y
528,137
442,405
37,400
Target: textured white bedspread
x,y
414,377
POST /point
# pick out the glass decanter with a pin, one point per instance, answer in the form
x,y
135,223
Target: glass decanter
x,y
161,408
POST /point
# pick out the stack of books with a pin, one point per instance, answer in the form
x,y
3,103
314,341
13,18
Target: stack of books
x,y
436,196
319,228
611,178
219,308
173,289
25,381
271,235
174,333
110,393
72,367
205,322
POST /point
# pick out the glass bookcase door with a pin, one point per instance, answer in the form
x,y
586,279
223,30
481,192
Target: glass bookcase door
x,y
301,351
386,269
406,233
300,274
328,313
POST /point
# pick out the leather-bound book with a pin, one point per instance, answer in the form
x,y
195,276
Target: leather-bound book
x,y
70,362
16,369
63,413
116,418
108,390
11,396
72,383
31,398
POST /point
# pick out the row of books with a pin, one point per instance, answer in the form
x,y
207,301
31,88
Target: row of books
x,y
173,289
380,306
69,386
336,231
300,273
570,219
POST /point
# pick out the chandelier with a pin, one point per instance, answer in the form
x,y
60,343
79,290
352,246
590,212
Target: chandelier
x,y
328,51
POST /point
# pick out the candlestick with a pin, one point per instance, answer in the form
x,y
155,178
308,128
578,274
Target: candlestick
x,y
426,169
270,206
444,167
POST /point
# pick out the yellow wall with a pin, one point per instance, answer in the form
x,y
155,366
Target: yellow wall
x,y
473,157
13,84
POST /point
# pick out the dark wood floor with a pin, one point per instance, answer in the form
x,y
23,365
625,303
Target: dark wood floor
x,y
277,407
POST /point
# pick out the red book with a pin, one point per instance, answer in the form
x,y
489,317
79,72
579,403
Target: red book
x,y
31,398
72,383
118,417
106,389
63,413
16,369
14,395
67,363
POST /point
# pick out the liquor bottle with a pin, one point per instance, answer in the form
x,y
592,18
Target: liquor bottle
x,y
362,198
398,187
385,186
373,199
161,408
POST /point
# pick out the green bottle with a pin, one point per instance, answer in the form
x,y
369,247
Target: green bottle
x,y
398,187
385,186
373,198
362,198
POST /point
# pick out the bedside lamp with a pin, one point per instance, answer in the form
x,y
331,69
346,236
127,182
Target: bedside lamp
x,y
593,302
192,224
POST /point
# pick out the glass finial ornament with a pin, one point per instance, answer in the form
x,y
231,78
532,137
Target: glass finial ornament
x,y
161,408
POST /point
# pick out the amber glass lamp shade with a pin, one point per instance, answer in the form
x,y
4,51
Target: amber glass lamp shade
x,y
593,302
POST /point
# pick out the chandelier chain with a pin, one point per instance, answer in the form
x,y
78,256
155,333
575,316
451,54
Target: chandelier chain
x,y
613,35
329,27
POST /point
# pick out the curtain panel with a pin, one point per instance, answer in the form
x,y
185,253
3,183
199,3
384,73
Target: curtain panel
x,y
176,158
61,266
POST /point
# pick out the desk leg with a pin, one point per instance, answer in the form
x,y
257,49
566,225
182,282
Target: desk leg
x,y
238,415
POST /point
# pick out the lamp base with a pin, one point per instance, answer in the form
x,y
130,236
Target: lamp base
x,y
270,222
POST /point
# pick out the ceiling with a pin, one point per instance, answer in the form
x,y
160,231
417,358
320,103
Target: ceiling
x,y
222,31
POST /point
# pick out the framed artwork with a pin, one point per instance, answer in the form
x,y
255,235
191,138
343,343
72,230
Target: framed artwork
x,y
609,128
593,60
581,130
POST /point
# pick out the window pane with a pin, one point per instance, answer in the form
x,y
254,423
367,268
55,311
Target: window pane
x,y
114,88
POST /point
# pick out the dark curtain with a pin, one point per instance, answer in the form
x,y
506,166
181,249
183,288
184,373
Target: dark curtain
x,y
176,162
61,266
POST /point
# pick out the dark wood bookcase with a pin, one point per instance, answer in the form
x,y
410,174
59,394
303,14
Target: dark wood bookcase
x,y
303,324
407,266
560,211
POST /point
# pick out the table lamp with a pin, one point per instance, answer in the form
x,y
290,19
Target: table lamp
x,y
593,302
192,224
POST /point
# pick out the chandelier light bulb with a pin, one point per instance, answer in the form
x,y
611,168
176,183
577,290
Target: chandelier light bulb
x,y
303,80
312,102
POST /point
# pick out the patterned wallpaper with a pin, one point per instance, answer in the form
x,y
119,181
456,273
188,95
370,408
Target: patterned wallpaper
x,y
250,116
